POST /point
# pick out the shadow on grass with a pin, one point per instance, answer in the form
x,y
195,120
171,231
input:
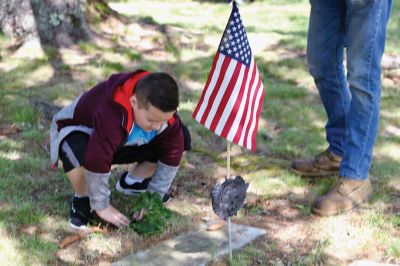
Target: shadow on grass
x,y
296,117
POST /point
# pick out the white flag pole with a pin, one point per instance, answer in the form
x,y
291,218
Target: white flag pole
x,y
228,158
228,163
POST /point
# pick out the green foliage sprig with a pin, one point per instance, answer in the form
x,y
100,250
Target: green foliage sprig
x,y
156,217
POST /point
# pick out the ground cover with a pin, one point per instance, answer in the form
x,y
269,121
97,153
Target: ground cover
x,y
181,37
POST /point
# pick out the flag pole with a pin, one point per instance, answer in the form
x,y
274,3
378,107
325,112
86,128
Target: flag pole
x,y
228,164
228,158
230,240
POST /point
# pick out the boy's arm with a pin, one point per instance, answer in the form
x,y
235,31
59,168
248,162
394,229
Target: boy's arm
x,y
98,189
162,179
100,149
97,181
170,145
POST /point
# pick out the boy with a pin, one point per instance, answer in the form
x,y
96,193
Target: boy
x,y
131,117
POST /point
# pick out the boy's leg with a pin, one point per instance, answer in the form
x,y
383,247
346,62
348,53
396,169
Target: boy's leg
x,y
157,175
77,180
149,175
71,154
137,179
144,169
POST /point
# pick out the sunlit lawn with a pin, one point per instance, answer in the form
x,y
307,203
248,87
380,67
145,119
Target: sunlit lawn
x,y
181,37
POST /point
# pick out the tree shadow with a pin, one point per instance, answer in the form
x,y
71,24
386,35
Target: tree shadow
x,y
59,25
208,146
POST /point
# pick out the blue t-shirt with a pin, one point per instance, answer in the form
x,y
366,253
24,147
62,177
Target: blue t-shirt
x,y
138,136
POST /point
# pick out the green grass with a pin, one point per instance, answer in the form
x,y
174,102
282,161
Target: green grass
x,y
292,124
392,31
246,256
394,249
317,255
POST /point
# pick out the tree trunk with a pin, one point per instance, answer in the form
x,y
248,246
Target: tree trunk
x,y
56,22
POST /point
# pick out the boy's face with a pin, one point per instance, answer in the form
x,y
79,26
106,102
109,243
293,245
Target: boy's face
x,y
150,118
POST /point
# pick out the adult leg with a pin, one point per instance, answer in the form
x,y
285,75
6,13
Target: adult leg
x,y
365,38
366,23
325,50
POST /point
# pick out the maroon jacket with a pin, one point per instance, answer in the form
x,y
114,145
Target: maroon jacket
x,y
106,109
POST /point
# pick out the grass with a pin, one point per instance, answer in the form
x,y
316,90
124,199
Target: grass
x,y
181,38
245,256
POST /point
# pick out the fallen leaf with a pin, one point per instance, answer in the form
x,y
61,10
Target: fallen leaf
x,y
9,130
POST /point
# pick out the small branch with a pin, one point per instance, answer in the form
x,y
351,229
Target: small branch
x,y
70,239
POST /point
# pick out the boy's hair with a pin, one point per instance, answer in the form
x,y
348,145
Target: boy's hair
x,y
159,89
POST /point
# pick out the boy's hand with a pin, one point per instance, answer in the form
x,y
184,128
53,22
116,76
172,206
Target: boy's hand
x,y
112,215
139,215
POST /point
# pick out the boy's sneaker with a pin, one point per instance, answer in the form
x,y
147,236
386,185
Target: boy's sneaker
x,y
133,189
166,198
81,213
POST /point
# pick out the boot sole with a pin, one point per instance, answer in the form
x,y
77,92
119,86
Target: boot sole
x,y
312,174
320,212
331,213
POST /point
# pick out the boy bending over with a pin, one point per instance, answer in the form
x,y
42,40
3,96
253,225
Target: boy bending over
x,y
131,117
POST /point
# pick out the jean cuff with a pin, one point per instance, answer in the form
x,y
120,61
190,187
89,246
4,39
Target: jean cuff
x,y
348,175
335,152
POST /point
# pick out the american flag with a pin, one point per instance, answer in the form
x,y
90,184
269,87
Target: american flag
x,y
231,101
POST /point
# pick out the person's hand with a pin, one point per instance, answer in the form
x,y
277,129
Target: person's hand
x,y
139,215
112,215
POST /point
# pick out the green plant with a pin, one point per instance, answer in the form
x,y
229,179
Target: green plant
x,y
394,249
156,217
304,209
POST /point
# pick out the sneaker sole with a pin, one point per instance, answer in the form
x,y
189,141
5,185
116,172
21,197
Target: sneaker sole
x,y
311,174
130,192
79,228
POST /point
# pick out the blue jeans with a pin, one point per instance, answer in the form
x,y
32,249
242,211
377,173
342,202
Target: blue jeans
x,y
351,101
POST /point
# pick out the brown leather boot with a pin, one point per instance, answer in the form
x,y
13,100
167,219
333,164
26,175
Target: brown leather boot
x,y
325,163
343,196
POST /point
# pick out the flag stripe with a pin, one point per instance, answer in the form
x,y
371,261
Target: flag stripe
x,y
255,112
206,91
230,74
236,127
243,121
254,130
220,75
231,102
226,104
233,119
233,106
253,91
